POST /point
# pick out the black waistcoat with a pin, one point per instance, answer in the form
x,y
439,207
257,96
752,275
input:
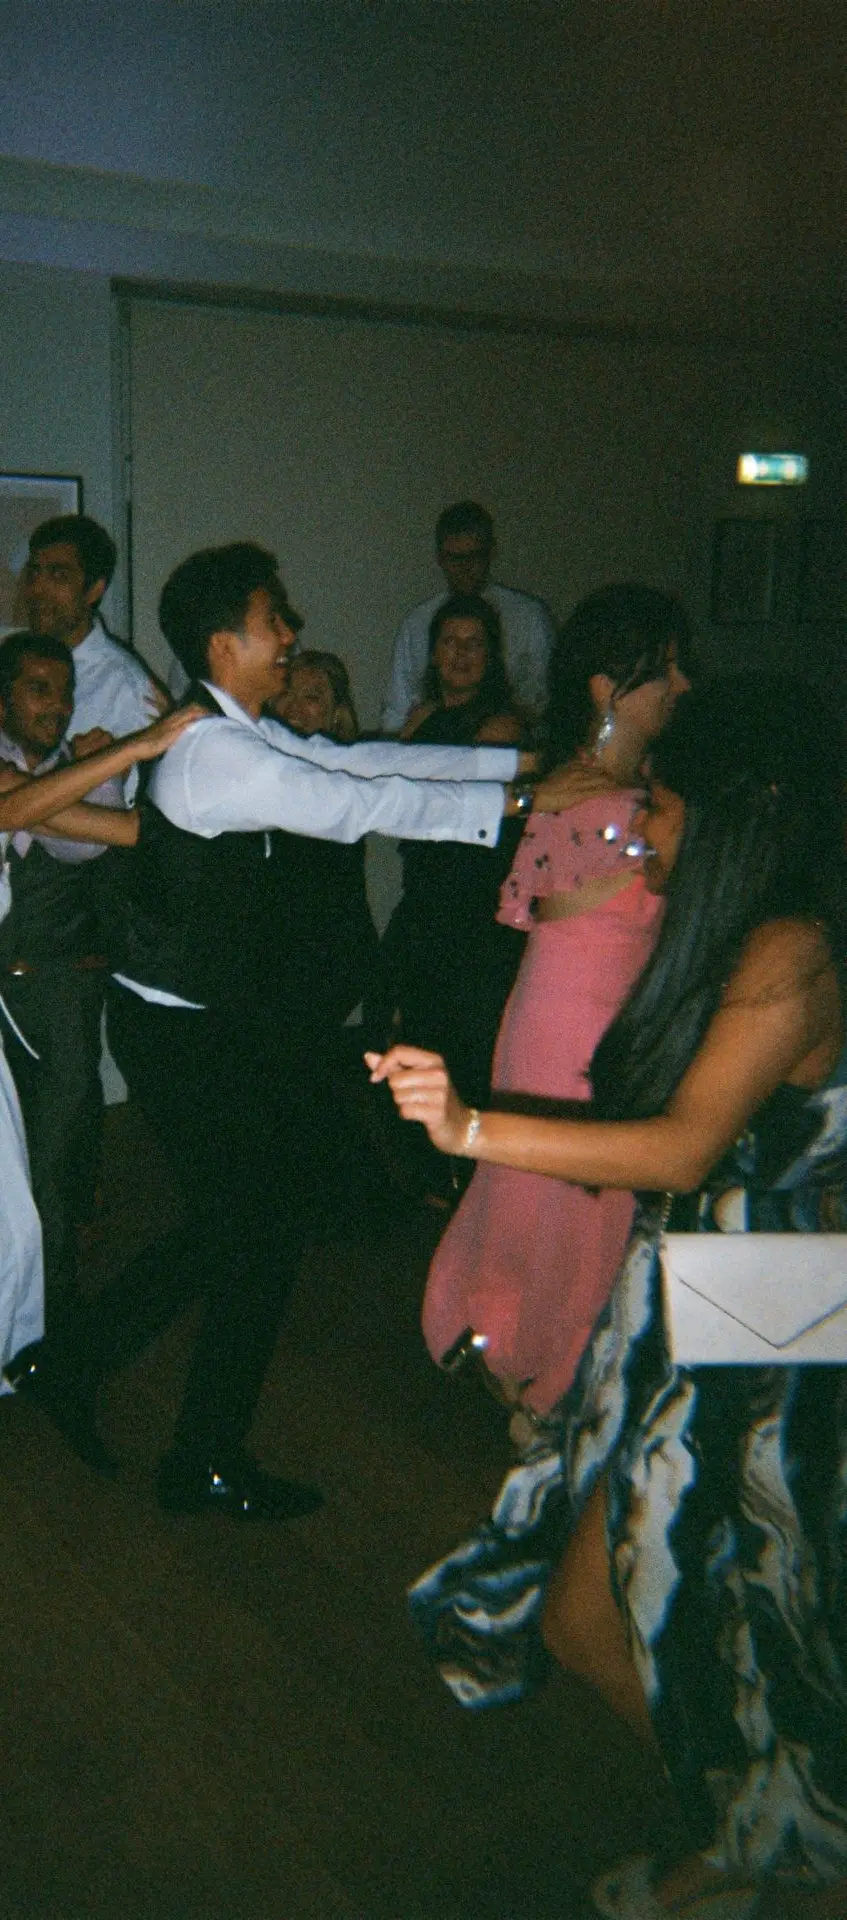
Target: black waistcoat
x,y
53,913
197,910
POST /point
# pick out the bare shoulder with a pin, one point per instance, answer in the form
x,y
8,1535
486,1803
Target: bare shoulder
x,y
499,730
574,783
791,952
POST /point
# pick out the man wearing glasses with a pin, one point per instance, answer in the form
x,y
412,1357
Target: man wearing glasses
x,y
464,546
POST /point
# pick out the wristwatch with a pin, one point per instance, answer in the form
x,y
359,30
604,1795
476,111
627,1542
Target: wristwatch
x,y
522,790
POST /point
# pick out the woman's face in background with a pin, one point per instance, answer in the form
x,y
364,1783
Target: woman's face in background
x,y
660,822
460,658
307,705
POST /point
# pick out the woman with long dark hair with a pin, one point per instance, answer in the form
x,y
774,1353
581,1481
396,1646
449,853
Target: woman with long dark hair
x,y
526,1261
465,678
702,1508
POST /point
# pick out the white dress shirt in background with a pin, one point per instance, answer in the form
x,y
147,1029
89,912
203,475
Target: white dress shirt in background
x,y
528,635
112,688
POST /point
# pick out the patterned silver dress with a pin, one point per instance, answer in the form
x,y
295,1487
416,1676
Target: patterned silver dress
x,y
727,1528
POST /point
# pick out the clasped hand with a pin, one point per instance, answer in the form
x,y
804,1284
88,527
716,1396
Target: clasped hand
x,y
96,740
423,1091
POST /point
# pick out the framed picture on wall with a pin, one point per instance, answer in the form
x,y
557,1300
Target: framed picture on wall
x,y
743,570
25,500
823,571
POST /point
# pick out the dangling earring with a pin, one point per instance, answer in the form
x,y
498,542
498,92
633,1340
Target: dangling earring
x,y
607,729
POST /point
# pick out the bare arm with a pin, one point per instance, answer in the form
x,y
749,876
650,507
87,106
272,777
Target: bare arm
x,y
501,730
27,801
103,826
780,1019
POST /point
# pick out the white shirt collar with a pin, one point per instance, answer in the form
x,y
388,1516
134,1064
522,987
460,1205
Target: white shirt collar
x,y
9,750
91,644
230,707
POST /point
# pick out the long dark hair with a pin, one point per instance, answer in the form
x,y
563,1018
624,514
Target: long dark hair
x,y
756,761
493,695
624,631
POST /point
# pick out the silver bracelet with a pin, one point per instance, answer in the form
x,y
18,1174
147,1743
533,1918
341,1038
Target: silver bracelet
x,y
474,1124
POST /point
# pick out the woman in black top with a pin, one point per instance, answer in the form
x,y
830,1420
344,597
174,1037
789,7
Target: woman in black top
x,y
448,966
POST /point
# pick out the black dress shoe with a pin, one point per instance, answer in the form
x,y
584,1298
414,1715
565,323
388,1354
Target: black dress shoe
x,y
70,1404
239,1488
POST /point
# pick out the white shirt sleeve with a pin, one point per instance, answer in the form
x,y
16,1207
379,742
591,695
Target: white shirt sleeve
x,y
132,706
221,777
114,691
370,759
408,662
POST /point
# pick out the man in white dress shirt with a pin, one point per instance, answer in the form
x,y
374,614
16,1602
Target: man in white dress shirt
x,y
198,1017
464,546
71,562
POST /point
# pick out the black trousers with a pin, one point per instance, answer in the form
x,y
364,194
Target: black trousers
x,y
235,1118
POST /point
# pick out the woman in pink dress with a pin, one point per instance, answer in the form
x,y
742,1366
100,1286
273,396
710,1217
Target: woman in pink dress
x,y
528,1262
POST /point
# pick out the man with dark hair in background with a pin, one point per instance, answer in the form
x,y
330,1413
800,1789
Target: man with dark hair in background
x,y
464,547
70,565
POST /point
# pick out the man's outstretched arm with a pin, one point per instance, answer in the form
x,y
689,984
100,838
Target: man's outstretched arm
x,y
226,778
374,759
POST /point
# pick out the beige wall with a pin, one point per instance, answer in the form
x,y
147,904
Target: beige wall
x,y
56,401
337,442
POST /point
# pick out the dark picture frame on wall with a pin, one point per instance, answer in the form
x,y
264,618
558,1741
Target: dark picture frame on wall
x,y
25,500
743,572
822,595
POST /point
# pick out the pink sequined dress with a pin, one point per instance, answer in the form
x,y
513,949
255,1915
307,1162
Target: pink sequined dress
x,y
527,1260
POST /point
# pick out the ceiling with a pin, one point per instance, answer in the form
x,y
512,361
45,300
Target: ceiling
x,y
635,155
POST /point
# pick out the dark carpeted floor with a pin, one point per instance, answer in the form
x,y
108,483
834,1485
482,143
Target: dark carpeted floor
x,y
203,1722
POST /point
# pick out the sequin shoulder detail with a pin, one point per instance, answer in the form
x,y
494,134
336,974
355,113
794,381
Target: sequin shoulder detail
x,y
562,852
